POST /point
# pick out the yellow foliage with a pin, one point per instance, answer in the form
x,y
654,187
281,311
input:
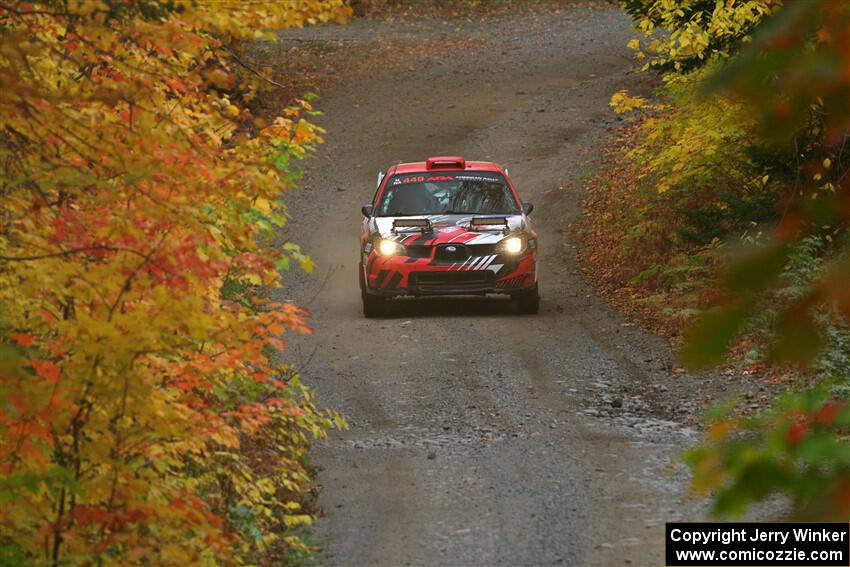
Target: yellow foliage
x,y
622,102
696,31
135,377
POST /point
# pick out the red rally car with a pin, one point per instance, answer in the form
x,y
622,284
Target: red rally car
x,y
447,226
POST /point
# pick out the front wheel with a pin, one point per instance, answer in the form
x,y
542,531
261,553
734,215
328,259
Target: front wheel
x,y
528,302
373,305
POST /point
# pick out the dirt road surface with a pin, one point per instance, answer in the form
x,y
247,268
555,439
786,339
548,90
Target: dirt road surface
x,y
478,436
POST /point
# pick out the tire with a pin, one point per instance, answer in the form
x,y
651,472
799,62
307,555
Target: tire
x,y
528,302
373,305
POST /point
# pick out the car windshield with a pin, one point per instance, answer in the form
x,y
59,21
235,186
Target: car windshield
x,y
447,193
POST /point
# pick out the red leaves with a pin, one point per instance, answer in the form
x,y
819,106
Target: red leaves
x,y
126,114
797,432
164,50
87,515
254,416
23,339
823,417
176,85
826,415
47,370
18,402
285,407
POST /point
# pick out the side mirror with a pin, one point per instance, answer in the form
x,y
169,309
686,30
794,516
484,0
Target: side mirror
x,y
366,210
527,207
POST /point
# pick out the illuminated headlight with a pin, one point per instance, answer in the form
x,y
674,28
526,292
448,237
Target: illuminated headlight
x,y
389,247
513,245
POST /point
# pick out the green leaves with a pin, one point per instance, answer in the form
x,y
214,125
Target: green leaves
x,y
709,338
797,449
52,480
754,272
798,338
785,70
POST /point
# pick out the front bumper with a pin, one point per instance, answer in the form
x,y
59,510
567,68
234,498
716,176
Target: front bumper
x,y
391,276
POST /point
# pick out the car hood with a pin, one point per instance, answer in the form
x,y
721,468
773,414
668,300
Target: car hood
x,y
448,229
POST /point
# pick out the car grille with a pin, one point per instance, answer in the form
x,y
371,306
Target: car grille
x,y
461,252
453,281
419,251
482,249
451,253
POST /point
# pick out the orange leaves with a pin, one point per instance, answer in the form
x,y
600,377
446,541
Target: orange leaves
x,y
46,370
139,210
87,515
176,85
281,316
722,428
823,35
23,339
285,407
797,432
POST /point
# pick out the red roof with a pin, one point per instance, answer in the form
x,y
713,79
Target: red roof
x,y
419,166
444,163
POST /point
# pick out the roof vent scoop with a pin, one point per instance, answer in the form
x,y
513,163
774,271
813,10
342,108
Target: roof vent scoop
x,y
445,162
488,223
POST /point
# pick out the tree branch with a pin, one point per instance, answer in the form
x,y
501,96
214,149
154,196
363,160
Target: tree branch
x,y
252,70
70,252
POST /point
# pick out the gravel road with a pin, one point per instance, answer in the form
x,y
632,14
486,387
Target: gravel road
x,y
480,437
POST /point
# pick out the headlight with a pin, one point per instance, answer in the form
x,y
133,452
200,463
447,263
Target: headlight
x,y
388,247
513,245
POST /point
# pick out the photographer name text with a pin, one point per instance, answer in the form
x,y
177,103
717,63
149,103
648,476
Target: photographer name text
x,y
727,536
